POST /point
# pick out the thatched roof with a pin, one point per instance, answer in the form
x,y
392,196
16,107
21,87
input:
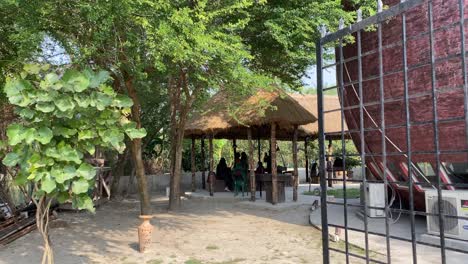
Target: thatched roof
x,y
332,120
223,120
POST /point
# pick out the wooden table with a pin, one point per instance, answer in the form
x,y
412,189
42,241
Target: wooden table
x,y
264,180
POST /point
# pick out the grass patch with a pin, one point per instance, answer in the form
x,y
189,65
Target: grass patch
x,y
212,247
351,193
154,261
193,261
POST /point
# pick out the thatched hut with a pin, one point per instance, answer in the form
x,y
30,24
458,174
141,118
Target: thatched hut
x,y
272,114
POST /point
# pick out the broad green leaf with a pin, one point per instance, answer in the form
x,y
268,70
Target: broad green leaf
x,y
62,175
45,107
86,134
44,135
86,171
64,103
82,100
136,133
89,147
103,101
63,197
26,113
15,134
48,184
29,135
21,179
51,78
13,87
76,80
64,132
99,78
32,69
83,201
122,101
80,186
11,159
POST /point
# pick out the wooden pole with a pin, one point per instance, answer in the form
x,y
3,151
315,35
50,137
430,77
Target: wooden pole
x,y
193,164
211,173
306,156
259,150
296,171
234,149
330,163
252,165
203,162
274,171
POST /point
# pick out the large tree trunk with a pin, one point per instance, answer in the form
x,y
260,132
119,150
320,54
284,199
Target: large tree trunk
x,y
118,172
174,197
145,206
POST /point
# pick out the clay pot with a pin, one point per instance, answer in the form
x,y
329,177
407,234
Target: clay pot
x,y
144,232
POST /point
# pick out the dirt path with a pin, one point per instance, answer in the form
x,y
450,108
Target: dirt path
x,y
204,231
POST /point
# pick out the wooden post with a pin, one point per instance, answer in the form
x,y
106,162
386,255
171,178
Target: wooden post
x,y
259,151
211,173
193,164
234,150
203,162
306,156
330,164
274,171
251,165
296,171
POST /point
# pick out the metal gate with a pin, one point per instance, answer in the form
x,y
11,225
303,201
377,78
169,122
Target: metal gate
x,y
402,85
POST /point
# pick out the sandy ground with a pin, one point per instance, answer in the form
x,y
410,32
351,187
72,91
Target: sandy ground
x,y
203,231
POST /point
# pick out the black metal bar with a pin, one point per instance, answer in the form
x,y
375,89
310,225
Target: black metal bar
x,y
378,18
343,149
436,132
363,144
463,52
323,183
383,138
408,138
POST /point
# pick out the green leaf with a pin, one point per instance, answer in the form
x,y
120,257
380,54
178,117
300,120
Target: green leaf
x,y
44,135
136,133
21,179
13,87
32,69
29,135
76,80
48,184
89,147
82,100
86,134
15,134
86,171
11,159
26,113
80,186
45,107
62,175
99,78
64,132
122,101
83,201
63,197
64,103
103,101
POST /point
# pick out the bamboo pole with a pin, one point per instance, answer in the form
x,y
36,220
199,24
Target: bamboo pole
x,y
193,164
296,171
211,173
306,155
330,164
203,162
252,165
274,171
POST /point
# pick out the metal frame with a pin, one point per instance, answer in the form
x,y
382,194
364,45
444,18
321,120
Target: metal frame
x,y
337,39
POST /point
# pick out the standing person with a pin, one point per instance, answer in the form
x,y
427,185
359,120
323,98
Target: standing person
x,y
267,160
224,173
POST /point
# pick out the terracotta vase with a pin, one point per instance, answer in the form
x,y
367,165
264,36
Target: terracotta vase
x,y
144,232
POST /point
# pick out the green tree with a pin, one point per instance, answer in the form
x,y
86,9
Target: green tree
x,y
64,117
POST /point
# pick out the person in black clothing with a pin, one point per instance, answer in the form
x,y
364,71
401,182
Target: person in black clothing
x,y
223,172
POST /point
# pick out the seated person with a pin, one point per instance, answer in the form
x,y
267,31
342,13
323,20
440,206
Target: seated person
x,y
260,169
